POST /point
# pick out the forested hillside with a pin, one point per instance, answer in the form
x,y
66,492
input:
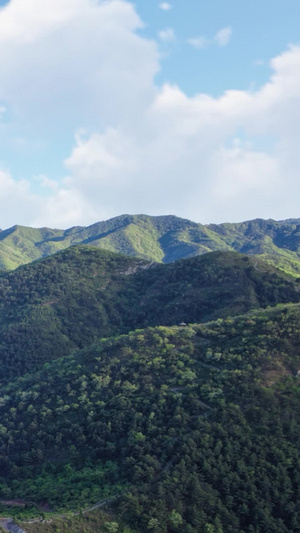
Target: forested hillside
x,y
161,239
195,428
65,302
167,394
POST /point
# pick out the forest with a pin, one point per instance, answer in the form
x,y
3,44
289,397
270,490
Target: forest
x,y
170,393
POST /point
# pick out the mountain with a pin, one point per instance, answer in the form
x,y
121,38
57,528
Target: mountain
x,y
153,397
190,429
161,239
65,302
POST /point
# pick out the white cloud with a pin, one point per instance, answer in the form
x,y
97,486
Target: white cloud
x,y
165,6
223,36
186,158
199,42
62,63
167,35
46,182
16,201
140,148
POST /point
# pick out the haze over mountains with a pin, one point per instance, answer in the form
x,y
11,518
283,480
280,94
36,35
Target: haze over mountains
x,y
162,239
166,391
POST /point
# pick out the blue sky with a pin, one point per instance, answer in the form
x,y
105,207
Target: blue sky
x,y
190,108
260,30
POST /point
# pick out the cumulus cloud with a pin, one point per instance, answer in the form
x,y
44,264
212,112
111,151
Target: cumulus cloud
x,y
188,159
62,63
15,197
138,147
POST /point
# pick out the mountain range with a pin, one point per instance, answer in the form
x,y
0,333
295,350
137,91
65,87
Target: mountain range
x,y
161,239
152,390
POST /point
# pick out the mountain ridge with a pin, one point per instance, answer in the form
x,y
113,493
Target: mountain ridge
x,y
163,239
66,301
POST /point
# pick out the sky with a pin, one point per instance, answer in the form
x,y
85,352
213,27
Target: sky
x,y
186,108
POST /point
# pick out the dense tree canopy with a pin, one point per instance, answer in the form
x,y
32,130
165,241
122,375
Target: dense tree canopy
x,y
196,428
105,397
65,302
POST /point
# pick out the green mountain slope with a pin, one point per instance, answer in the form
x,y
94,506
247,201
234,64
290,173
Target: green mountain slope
x,y
275,242
196,428
104,398
161,239
66,301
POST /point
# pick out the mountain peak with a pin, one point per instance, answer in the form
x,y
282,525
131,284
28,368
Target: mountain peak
x,y
162,238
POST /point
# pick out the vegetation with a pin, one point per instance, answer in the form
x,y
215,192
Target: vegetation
x,y
195,429
97,521
65,302
161,239
116,418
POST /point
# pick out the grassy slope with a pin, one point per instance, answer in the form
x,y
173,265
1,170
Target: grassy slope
x,y
200,422
65,302
162,239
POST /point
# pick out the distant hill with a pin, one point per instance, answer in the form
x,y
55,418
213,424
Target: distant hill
x,y
161,239
65,302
